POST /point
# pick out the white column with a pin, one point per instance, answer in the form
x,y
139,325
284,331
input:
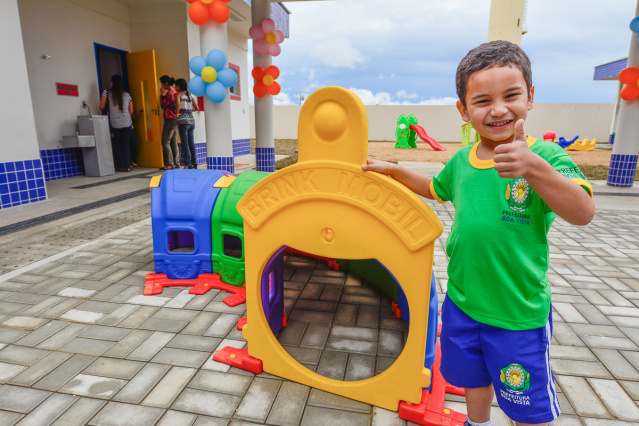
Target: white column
x,y
627,135
261,9
219,140
615,111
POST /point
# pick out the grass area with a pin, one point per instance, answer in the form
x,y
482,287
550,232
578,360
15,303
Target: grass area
x,y
599,172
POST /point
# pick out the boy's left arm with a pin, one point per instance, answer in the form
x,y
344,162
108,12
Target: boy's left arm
x,y
567,199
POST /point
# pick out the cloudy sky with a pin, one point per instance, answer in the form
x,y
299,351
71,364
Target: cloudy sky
x,y
407,51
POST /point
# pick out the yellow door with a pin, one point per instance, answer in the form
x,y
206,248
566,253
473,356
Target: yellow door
x,y
143,84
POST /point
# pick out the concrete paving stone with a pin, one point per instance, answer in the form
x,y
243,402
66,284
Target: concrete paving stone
x,y
301,275
360,300
292,333
632,333
223,308
177,418
76,292
216,381
565,336
596,330
22,400
312,316
317,416
175,314
312,291
364,290
382,417
28,278
619,404
592,314
24,322
159,324
9,419
93,386
331,293
13,286
315,335
581,396
289,404
25,298
609,342
222,325
391,343
579,368
151,346
567,298
304,355
291,295
332,364
345,315
96,306
198,325
360,367
100,332
616,364
198,303
143,382
118,414
114,368
604,422
21,354
90,284
60,308
127,344
323,279
181,300
169,387
394,324
615,298
120,275
181,357
632,388
9,308
47,412
77,315
42,333
138,317
8,371
319,398
368,316
109,293
62,336
64,372
258,400
291,285
40,369
569,313
195,343
619,311
315,305
207,403
358,333
135,293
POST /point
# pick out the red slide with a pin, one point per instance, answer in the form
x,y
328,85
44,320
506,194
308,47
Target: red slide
x,y
424,136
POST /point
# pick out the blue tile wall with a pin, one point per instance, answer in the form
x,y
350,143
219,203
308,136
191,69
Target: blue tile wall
x,y
221,163
62,163
21,182
611,139
622,170
241,147
200,153
265,159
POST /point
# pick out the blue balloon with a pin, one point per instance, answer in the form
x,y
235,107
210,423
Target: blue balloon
x,y
196,64
227,77
634,25
216,92
216,58
197,86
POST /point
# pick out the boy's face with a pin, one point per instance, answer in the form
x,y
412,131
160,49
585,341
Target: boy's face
x,y
495,99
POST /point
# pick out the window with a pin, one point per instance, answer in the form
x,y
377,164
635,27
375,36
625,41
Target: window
x,y
236,94
232,246
181,241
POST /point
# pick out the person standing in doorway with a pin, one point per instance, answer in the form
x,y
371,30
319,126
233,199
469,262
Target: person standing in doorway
x,y
185,106
120,110
170,128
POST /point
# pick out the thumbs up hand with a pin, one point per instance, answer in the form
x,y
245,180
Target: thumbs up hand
x,y
515,159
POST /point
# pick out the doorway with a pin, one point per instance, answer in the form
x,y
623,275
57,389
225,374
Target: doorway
x,y
109,61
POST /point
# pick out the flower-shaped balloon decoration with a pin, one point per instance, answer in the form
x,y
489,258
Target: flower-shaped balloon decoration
x,y
634,25
211,77
201,11
267,38
265,81
630,77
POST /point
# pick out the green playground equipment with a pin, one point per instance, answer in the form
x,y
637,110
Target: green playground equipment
x,y
466,130
404,135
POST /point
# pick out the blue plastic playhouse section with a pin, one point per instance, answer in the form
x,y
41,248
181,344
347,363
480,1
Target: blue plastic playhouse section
x,y
181,209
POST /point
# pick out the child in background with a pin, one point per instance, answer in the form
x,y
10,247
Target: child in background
x,y
185,105
507,190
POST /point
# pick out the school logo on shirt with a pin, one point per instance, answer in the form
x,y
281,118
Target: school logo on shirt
x,y
515,378
519,194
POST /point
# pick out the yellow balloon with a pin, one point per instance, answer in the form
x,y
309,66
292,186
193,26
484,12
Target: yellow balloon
x,y
207,1
271,38
268,79
209,74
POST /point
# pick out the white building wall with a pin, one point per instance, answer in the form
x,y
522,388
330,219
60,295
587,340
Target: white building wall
x,y
237,54
444,123
66,30
18,140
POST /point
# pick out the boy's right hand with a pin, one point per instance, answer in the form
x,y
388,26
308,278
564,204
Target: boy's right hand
x,y
378,166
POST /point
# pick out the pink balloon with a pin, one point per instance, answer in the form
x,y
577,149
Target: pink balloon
x,y
274,49
280,36
261,47
256,32
268,25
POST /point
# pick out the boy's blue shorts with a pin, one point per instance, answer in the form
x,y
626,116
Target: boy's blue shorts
x,y
517,363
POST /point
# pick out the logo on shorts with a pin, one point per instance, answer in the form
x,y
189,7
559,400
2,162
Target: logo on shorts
x,y
519,194
515,378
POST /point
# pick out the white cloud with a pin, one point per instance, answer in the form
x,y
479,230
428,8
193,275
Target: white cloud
x,y
402,94
370,98
446,100
337,53
282,98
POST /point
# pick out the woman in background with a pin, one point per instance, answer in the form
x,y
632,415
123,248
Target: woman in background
x,y
185,106
170,128
120,111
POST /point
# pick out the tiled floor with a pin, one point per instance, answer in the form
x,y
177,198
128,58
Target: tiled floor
x,y
80,344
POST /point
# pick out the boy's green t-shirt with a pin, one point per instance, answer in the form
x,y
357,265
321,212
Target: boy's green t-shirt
x,y
498,245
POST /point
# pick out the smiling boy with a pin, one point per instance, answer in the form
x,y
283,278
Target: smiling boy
x,y
507,190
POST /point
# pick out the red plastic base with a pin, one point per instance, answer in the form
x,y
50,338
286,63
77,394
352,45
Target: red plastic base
x,y
397,311
155,284
431,410
332,263
238,358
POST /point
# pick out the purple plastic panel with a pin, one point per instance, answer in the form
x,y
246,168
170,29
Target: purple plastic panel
x,y
272,288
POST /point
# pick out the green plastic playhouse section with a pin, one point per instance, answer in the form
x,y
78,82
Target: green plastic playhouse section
x,y
405,137
373,272
227,228
466,130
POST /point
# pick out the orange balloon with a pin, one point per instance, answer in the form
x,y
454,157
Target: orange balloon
x,y
274,88
258,73
190,1
273,71
259,89
219,12
199,13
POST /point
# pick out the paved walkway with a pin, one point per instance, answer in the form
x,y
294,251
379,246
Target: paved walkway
x,y
80,344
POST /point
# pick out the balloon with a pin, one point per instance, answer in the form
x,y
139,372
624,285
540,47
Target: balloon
x,y
259,90
219,12
268,25
216,92
274,88
274,49
197,86
209,74
216,58
199,13
273,71
256,32
261,47
634,25
227,77
206,1
196,64
190,1
258,73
